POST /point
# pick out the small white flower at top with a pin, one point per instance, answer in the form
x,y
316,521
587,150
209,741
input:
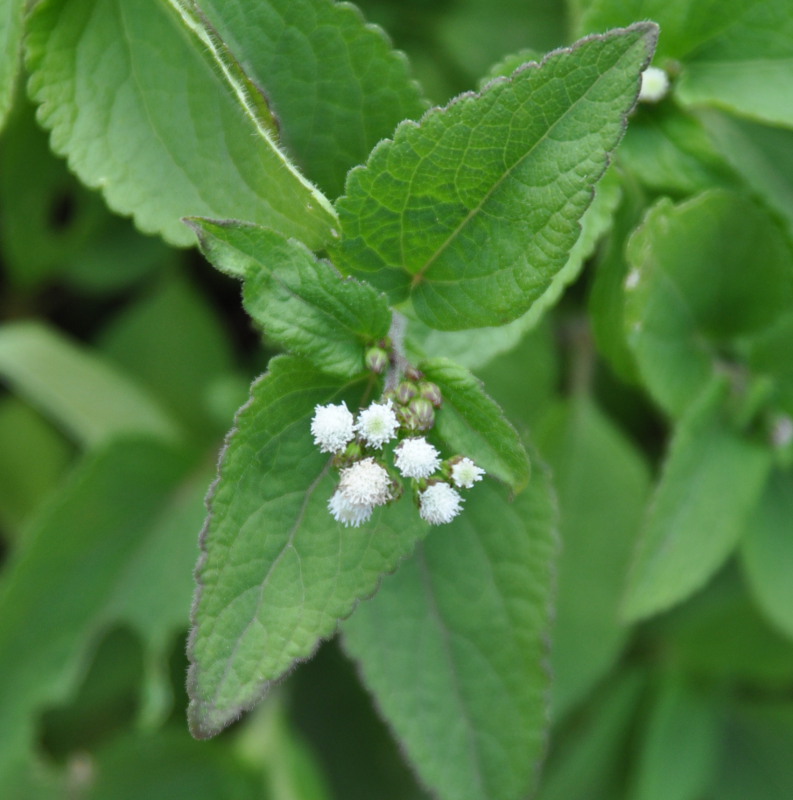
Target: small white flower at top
x,y
655,85
377,424
439,504
465,473
333,428
416,458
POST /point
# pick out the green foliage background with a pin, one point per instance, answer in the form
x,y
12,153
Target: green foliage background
x,y
643,358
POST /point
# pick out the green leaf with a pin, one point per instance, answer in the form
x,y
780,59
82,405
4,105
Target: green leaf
x,y
172,341
333,81
602,482
473,425
12,15
711,481
178,141
740,63
277,573
454,646
767,552
32,460
476,347
473,211
302,303
86,396
58,585
762,155
681,729
670,151
693,297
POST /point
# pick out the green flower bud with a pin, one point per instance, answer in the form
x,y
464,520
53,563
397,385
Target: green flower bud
x,y
376,360
432,392
405,392
423,412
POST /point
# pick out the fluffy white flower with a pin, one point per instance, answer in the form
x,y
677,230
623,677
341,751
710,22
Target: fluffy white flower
x,y
439,504
333,427
377,424
349,514
365,483
465,473
417,458
655,85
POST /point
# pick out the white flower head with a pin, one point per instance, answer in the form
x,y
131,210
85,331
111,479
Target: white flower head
x,y
349,514
377,424
416,458
439,504
655,85
333,428
365,483
465,473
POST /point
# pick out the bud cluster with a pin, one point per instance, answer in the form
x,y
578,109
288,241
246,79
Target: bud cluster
x,y
368,480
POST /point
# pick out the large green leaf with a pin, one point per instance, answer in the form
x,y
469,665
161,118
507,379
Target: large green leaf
x,y
85,395
302,303
732,54
474,426
454,646
11,30
767,552
277,573
707,275
333,81
473,211
144,111
602,484
63,582
711,481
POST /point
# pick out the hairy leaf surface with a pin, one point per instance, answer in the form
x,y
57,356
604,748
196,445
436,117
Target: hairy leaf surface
x,y
473,211
277,572
333,81
301,302
143,110
474,425
454,648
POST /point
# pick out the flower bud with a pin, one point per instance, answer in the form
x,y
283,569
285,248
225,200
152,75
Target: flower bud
x,y
432,392
405,392
376,360
413,374
407,419
423,412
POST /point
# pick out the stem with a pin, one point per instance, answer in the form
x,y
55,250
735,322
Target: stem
x,y
400,363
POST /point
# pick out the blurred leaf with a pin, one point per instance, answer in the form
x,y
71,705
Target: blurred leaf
x,y
670,151
473,211
719,636
679,744
277,572
302,303
707,274
586,758
761,154
172,341
710,483
740,63
32,461
334,83
505,66
603,483
454,645
178,142
56,588
169,766
85,395
473,425
756,754
12,15
767,552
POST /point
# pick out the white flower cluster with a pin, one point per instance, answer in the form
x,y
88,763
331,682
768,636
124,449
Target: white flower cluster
x,y
366,484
